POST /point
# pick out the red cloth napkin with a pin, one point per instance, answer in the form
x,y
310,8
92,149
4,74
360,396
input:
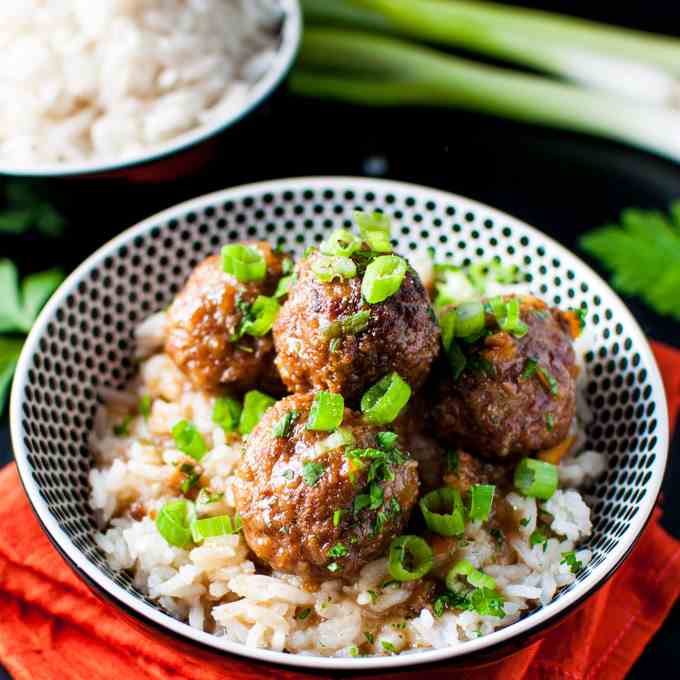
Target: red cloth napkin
x,y
52,627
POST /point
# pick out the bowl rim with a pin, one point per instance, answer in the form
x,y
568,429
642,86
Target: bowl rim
x,y
520,629
291,38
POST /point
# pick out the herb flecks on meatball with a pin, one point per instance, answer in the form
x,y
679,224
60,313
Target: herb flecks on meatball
x,y
353,318
320,503
219,323
508,386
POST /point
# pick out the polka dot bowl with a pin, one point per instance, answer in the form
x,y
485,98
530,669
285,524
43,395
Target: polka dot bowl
x,y
83,341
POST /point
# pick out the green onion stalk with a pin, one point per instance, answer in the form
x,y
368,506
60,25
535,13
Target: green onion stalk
x,y
627,62
376,70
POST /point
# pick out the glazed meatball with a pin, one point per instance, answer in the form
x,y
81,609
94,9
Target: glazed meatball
x,y
202,322
321,343
313,512
516,395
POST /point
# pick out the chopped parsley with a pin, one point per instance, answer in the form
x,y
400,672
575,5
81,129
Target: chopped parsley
x,y
569,558
191,477
452,461
189,440
284,426
369,637
530,368
548,379
524,522
538,538
122,429
497,535
550,422
338,550
483,601
303,614
312,472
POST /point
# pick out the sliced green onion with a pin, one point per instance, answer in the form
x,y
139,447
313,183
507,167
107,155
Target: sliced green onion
x,y
255,405
327,412
375,230
538,538
284,426
475,577
174,522
221,525
410,558
227,413
530,368
145,406
548,379
457,360
312,472
189,440
327,267
338,550
261,316
284,285
387,440
511,322
243,262
337,516
497,307
536,478
349,325
383,278
481,500
340,438
383,402
341,242
443,511
470,318
447,323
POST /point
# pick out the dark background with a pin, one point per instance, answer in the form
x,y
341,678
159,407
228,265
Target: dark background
x,y
561,183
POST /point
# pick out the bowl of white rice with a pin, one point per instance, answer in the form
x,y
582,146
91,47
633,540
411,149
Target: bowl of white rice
x,y
96,402
116,86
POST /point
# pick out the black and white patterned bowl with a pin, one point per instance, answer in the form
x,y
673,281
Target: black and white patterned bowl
x,y
83,342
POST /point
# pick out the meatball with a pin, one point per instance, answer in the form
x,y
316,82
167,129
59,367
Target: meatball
x,y
328,338
314,512
204,318
516,395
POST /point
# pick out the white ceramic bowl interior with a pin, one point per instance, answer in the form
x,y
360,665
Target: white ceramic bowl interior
x,y
83,340
290,37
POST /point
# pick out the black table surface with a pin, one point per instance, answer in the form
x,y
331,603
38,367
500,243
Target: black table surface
x,y
561,183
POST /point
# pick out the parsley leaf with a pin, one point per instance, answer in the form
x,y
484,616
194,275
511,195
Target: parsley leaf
x,y
284,425
569,558
643,255
338,550
312,472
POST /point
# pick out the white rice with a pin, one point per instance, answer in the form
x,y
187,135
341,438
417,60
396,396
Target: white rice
x,y
105,79
216,587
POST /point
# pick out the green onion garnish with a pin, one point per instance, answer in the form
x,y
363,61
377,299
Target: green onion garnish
x,y
387,440
457,360
383,278
327,412
383,402
255,405
243,262
333,345
312,472
191,479
329,267
410,558
227,413
354,651
145,406
189,440
333,567
389,647
530,368
284,426
375,230
481,500
538,538
338,550
259,317
536,478
174,522
447,323
475,577
284,285
470,319
443,511
350,325
497,307
341,437
511,322
550,422
548,380
341,242
337,516
208,497
221,525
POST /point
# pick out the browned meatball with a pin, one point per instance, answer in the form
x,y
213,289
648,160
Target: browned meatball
x,y
505,403
204,317
317,348
303,511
